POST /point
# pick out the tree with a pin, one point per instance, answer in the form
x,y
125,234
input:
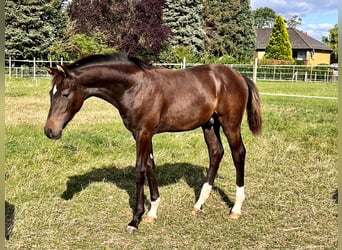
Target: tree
x,y
184,18
109,17
220,24
177,54
134,26
246,38
229,28
332,39
279,46
293,21
147,31
264,17
78,45
32,26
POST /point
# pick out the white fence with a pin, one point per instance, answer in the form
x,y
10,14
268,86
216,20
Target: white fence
x,y
323,73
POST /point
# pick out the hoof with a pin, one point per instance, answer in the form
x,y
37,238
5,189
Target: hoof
x,y
150,219
195,211
234,215
131,229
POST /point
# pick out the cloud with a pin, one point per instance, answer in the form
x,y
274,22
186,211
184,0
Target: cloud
x,y
297,6
318,30
324,26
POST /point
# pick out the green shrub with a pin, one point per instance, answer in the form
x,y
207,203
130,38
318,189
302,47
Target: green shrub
x,y
79,45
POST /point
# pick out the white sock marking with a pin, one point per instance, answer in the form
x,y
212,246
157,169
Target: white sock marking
x,y
54,90
203,196
154,207
240,197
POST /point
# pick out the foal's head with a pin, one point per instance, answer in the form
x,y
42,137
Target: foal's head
x,y
66,99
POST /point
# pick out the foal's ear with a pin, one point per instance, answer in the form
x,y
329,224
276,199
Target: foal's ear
x,y
51,71
65,71
60,69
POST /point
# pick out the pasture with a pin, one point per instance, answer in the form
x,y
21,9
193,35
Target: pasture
x,y
78,192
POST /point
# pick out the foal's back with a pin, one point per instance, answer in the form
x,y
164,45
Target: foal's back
x,y
187,98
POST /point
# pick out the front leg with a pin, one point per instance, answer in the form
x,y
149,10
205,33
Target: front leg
x,y
139,207
143,147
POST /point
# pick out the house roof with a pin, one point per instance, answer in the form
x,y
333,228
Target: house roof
x,y
298,39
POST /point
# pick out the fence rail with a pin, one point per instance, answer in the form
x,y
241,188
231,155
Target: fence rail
x,y
323,73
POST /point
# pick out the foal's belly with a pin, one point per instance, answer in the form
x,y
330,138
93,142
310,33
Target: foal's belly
x,y
185,117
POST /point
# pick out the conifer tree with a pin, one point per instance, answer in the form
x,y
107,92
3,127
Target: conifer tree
x,y
229,28
184,18
32,26
246,37
279,46
220,24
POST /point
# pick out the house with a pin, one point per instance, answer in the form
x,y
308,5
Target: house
x,y
304,47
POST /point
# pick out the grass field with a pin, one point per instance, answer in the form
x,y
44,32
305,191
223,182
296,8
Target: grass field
x,y
78,192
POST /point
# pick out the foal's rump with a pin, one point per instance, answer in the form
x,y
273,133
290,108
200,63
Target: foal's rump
x,y
239,92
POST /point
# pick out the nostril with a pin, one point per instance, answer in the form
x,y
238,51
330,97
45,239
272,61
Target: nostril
x,y
51,134
48,132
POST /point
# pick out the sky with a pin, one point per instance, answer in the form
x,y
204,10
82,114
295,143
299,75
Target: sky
x,y
318,16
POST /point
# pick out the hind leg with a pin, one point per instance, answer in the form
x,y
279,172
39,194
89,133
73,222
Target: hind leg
x,y
152,183
238,154
212,138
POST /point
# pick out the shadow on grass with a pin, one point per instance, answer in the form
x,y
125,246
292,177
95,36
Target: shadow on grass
x,y
124,178
9,219
335,195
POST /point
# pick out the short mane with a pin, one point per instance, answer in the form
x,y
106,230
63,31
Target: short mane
x,y
108,58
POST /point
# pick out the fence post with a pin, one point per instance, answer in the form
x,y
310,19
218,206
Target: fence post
x,y
184,62
255,69
293,72
294,77
47,74
34,68
9,67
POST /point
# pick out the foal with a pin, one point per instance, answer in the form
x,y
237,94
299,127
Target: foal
x,y
153,100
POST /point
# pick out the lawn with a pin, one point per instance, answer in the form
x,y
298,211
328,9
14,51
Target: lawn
x,y
79,192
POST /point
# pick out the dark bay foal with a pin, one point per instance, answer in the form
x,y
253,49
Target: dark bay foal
x,y
154,100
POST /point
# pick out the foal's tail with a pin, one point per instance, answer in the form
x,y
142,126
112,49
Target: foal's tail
x,y
253,107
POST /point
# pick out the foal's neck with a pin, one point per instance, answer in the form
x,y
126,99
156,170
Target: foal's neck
x,y
111,82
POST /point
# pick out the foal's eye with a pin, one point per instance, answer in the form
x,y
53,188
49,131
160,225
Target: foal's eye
x,y
65,94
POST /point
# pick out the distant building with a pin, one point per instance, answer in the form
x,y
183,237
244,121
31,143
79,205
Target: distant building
x,y
304,47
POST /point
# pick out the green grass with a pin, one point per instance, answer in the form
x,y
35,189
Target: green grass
x,y
78,192
300,88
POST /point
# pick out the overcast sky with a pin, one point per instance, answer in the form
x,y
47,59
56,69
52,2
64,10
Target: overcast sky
x,y
318,16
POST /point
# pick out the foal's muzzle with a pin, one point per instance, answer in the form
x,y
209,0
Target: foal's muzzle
x,y
52,134
53,130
